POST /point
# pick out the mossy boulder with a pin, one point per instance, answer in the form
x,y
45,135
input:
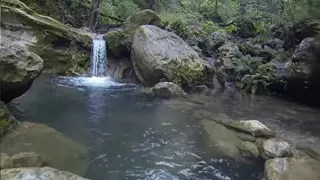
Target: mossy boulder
x,y
158,54
75,13
7,121
249,149
63,49
144,17
245,28
118,43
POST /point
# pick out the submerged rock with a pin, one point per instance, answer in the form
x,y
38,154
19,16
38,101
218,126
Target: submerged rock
x,y
27,159
275,148
246,137
166,90
5,161
224,141
249,149
252,127
297,168
59,151
158,54
45,173
7,121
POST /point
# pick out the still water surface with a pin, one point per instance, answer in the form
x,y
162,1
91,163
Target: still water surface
x,y
131,136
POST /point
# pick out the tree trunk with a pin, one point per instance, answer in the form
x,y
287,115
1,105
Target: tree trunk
x,y
216,7
94,15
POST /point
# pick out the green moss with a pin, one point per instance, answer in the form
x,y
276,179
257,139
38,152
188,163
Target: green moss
x,y
118,43
184,75
143,17
7,121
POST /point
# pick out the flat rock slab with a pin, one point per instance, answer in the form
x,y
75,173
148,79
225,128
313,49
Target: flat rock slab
x,y
45,173
224,141
253,127
292,169
59,151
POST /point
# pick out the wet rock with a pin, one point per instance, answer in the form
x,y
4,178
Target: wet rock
x,y
224,141
158,54
116,43
201,89
27,159
246,137
305,51
275,148
7,121
253,127
218,40
45,173
5,161
309,149
249,149
166,90
297,168
58,150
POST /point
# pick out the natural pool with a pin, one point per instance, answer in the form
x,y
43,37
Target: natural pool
x,y
132,136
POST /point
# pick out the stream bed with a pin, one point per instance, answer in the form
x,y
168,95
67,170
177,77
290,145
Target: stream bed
x,y
132,136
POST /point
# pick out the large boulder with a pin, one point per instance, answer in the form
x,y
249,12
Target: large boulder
x,y
19,68
249,149
63,49
45,173
275,148
303,59
296,168
68,155
7,121
158,54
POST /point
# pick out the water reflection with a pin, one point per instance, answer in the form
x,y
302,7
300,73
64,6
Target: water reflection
x,y
131,136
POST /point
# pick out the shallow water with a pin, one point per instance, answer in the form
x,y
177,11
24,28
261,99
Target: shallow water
x,y
131,136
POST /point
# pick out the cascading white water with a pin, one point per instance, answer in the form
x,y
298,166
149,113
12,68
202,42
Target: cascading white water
x,y
99,57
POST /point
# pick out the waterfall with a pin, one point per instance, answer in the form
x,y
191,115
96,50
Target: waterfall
x,y
99,57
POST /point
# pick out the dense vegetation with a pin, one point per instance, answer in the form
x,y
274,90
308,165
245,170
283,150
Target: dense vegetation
x,y
196,20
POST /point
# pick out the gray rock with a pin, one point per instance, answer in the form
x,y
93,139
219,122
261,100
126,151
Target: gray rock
x,y
297,168
246,137
68,155
166,90
305,51
45,173
158,54
218,40
5,161
201,89
19,67
253,127
249,149
27,159
275,148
